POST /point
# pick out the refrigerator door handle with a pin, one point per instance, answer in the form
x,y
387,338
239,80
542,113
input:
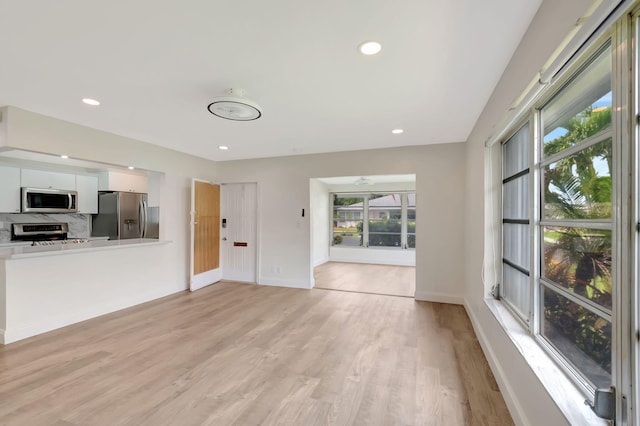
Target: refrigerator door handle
x,y
143,218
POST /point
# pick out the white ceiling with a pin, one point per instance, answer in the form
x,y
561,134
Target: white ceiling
x,y
156,65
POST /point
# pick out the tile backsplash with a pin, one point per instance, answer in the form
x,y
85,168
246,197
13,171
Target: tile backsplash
x,y
79,224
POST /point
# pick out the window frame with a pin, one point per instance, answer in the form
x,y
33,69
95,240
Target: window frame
x,y
404,221
536,218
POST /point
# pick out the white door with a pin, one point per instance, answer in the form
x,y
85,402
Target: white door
x,y
239,205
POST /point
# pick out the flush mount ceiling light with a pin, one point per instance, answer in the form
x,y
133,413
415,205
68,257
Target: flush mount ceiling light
x,y
363,181
370,48
89,101
397,131
235,107
223,147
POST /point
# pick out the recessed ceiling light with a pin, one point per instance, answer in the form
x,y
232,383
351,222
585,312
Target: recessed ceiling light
x,y
64,156
223,147
131,168
397,131
370,48
90,101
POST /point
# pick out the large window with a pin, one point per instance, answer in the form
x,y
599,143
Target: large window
x,y
390,220
571,306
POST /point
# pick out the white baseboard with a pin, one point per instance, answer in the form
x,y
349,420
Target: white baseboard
x,y
427,296
2,338
320,262
515,409
280,282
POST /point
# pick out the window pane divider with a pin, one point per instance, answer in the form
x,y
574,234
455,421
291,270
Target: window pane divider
x,y
516,176
594,224
594,308
516,266
516,221
586,143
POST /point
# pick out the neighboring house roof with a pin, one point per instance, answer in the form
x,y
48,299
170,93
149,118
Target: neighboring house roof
x,y
391,200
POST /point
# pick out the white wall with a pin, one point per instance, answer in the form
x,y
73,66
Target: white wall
x,y
320,221
34,132
526,397
284,190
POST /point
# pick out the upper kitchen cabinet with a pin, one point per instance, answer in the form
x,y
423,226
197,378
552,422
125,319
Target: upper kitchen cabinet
x,y
9,189
46,179
123,181
87,188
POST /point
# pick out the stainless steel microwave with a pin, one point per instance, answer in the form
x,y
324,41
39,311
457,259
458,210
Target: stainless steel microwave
x,y
40,200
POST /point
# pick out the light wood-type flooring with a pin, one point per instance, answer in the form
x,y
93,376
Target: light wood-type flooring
x,y
241,354
367,278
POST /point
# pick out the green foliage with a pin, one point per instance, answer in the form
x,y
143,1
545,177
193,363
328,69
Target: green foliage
x,y
580,259
584,125
386,232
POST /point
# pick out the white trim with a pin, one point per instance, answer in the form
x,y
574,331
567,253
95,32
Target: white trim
x,y
374,255
515,409
3,340
320,262
427,296
280,282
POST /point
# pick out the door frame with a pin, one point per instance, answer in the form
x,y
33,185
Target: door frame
x,y
209,277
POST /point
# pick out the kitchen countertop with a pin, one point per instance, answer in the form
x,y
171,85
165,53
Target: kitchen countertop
x,y
26,250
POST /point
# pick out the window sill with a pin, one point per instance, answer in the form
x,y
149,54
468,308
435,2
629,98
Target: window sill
x,y
566,395
375,248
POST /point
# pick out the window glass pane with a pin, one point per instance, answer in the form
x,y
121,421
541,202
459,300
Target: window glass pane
x,y
579,260
348,216
411,220
516,290
583,337
516,244
579,185
515,201
581,109
385,220
516,153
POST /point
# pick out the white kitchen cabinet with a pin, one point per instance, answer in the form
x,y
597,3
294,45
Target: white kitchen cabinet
x,y
47,179
123,181
9,189
87,188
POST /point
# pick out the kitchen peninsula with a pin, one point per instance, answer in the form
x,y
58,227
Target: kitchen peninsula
x,y
47,287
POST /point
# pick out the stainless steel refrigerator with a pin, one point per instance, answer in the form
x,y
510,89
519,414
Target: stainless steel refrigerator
x,y
122,215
